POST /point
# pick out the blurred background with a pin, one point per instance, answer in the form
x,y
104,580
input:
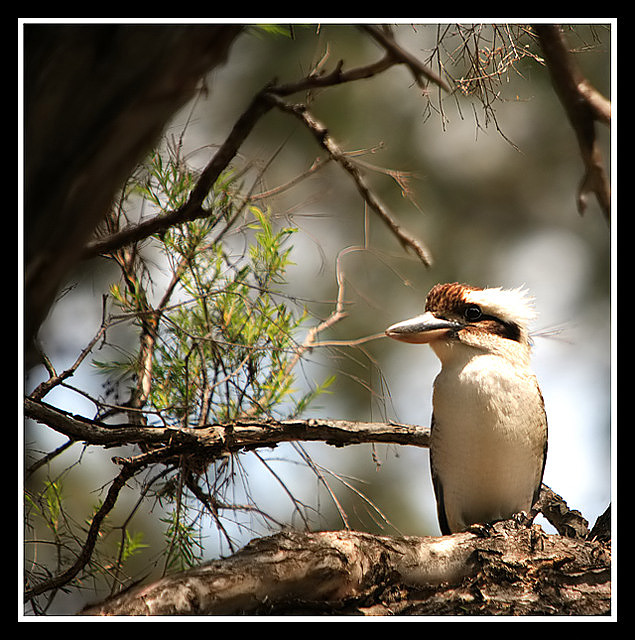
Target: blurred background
x,y
492,195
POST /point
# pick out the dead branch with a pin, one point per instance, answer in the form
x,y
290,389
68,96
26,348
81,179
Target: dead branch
x,y
323,138
420,72
568,522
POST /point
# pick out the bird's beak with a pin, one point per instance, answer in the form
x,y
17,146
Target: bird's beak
x,y
422,329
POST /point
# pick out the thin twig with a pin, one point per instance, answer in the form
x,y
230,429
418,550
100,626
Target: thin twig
x,y
57,379
419,70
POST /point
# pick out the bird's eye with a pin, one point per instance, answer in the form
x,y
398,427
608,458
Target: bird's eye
x,y
472,313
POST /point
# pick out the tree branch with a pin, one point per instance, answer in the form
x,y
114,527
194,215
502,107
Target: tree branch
x,y
213,440
420,71
583,106
270,96
568,522
193,208
511,569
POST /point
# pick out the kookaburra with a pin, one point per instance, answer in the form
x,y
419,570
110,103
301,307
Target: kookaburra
x,y
488,441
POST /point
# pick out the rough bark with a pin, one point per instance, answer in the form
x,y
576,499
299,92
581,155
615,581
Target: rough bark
x,y
505,569
210,441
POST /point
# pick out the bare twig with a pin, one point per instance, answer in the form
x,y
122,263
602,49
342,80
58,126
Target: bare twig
x,y
56,379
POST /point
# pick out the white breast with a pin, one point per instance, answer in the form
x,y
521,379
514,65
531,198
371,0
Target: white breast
x,y
488,438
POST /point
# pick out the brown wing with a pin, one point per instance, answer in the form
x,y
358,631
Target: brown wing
x,y
438,493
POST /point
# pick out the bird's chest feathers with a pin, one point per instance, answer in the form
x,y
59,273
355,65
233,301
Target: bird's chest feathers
x,y
488,438
483,397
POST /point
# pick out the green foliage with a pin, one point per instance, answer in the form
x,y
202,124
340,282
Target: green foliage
x,y
132,545
222,337
184,546
48,506
226,346
277,30
53,501
167,182
227,349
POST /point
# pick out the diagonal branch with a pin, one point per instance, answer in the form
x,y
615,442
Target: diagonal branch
x,y
260,105
583,106
193,208
420,71
323,138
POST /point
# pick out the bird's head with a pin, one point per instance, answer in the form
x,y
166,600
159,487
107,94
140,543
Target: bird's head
x,y
459,313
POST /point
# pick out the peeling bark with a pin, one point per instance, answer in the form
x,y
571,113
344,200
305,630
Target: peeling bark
x,y
505,569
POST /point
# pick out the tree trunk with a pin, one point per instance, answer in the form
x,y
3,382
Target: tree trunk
x,y
96,98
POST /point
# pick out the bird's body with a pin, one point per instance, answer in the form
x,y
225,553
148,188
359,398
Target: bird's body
x,y
489,429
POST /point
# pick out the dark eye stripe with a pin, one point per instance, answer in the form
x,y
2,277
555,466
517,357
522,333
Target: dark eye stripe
x,y
448,301
496,326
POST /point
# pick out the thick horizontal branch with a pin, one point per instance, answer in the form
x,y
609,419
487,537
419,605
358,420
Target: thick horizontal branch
x,y
213,440
509,569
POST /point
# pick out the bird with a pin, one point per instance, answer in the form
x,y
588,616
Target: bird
x,y
488,436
